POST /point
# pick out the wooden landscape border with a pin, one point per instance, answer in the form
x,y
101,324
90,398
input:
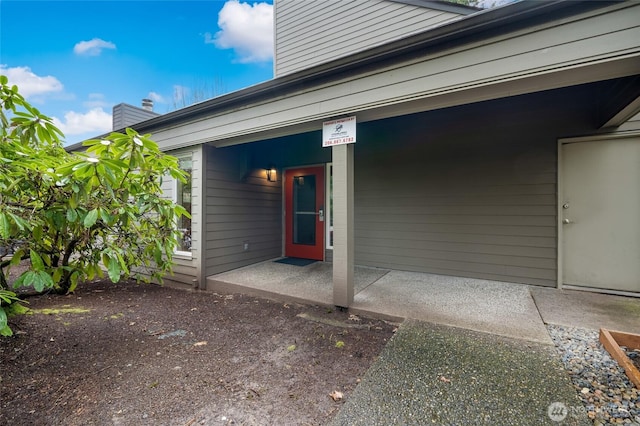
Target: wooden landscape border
x,y
612,340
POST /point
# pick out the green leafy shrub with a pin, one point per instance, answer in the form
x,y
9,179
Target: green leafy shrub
x,y
72,216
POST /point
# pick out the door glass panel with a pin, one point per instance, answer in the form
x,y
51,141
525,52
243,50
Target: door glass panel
x,y
304,210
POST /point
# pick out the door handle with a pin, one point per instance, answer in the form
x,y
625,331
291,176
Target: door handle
x,y
321,215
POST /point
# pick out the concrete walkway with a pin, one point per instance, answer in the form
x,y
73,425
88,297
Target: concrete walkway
x,y
467,352
430,374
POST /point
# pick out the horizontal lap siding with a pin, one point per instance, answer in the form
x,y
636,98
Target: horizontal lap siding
x,y
322,31
125,115
466,233
242,206
468,191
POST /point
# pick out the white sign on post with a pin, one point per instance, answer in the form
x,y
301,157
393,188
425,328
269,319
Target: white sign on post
x,y
339,132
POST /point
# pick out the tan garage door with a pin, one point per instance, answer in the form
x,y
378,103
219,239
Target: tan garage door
x,y
601,214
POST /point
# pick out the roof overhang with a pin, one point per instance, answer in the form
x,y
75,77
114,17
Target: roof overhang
x,y
483,24
470,29
623,104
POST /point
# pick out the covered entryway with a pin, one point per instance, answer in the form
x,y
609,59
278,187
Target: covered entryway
x,y
304,213
600,213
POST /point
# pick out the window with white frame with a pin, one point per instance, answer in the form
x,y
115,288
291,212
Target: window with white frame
x,y
182,197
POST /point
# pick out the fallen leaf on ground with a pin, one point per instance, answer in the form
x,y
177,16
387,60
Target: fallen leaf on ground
x,y
336,395
354,318
204,342
444,379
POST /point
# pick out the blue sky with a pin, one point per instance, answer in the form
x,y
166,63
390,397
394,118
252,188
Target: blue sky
x,y
75,60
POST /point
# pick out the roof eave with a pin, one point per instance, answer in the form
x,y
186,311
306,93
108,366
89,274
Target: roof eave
x,y
507,18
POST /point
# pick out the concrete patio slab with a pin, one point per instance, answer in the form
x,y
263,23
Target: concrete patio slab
x,y
311,283
482,305
583,309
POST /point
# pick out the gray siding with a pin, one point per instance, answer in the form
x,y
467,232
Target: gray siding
x,y
242,207
186,269
125,115
467,191
311,33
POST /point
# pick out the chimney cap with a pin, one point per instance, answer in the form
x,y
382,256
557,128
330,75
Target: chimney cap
x,y
147,104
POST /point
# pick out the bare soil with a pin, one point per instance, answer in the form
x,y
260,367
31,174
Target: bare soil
x,y
136,354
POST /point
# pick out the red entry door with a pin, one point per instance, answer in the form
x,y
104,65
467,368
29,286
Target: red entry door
x,y
304,204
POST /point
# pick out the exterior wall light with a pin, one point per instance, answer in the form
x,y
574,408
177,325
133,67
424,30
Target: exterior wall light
x,y
272,175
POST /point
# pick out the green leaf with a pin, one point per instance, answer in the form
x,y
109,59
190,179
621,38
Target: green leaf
x,y
104,214
36,261
181,211
26,279
37,233
4,328
72,215
45,279
5,228
8,297
114,271
20,222
74,281
17,257
38,282
95,181
57,274
73,201
91,218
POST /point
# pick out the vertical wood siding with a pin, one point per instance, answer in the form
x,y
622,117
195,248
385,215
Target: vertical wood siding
x,y
311,33
467,191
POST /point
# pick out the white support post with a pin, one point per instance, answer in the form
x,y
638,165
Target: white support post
x,y
343,242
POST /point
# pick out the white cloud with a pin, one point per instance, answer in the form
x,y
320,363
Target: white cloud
x,y
96,100
29,83
156,97
248,29
95,121
92,47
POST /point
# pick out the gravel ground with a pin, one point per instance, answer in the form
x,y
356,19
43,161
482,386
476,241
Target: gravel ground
x,y
602,385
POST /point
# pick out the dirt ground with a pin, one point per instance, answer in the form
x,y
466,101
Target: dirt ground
x,y
131,354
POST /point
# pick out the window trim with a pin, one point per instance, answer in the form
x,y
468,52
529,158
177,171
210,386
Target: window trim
x,y
186,156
